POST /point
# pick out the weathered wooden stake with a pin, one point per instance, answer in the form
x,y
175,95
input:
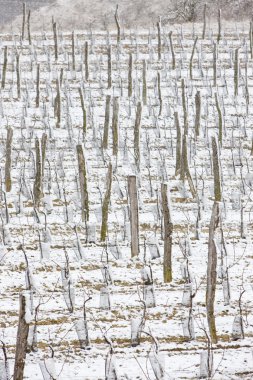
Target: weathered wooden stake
x,y
115,120
29,27
144,82
116,16
192,55
4,66
18,75
83,111
211,272
86,61
216,171
37,187
83,183
37,101
179,143
168,230
109,67
55,32
137,136
220,126
172,51
134,215
8,182
198,113
219,26
107,121
73,51
23,21
204,23
130,79
236,72
22,335
105,205
159,40
214,64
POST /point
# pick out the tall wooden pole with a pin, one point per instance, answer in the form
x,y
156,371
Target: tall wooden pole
x,y
134,215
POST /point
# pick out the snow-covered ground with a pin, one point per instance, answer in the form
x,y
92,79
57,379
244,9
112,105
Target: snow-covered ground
x,y
56,328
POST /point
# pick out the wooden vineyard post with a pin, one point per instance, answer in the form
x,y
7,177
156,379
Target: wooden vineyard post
x,y
144,82
38,87
84,127
107,121
219,26
204,23
214,64
43,153
130,79
137,136
172,51
8,181
58,104
198,112
37,187
212,251
73,51
4,66
86,61
22,334
179,143
159,93
18,75
83,183
23,22
192,55
29,27
105,205
115,121
134,215
55,41
184,166
109,67
236,72
159,40
116,16
251,39
216,171
168,230
220,126
211,272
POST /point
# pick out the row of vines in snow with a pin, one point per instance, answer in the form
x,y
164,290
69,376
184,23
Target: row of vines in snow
x,y
126,201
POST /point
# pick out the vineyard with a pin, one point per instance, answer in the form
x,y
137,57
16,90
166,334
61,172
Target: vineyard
x,y
126,203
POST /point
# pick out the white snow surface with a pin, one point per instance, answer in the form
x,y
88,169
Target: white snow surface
x,y
56,328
